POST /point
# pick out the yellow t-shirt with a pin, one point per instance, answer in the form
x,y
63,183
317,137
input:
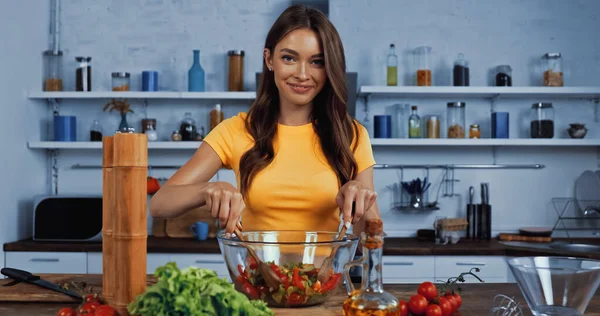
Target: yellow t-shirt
x,y
297,190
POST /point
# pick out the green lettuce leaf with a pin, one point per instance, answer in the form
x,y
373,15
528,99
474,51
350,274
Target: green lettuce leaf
x,y
194,291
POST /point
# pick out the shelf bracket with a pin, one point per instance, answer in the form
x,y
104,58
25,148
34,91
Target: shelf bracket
x,y
596,102
493,100
366,121
54,168
54,104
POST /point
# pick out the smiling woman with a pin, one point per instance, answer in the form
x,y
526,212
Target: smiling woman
x,y
299,158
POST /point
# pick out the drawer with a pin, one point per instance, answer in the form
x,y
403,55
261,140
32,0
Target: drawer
x,y
401,267
153,261
406,280
214,262
452,266
48,262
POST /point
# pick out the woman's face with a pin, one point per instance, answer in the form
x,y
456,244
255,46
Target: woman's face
x,y
298,66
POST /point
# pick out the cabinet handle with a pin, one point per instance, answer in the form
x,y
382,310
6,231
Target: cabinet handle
x,y
470,263
44,260
398,263
209,262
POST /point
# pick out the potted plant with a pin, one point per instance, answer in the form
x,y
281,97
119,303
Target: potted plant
x,y
123,107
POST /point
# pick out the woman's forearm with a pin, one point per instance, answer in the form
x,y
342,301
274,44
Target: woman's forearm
x,y
177,199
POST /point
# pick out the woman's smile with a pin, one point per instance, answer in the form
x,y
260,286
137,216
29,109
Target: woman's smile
x,y
300,88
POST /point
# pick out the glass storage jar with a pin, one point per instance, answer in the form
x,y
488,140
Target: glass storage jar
x,y
542,120
120,81
503,76
53,70
474,131
456,119
235,78
83,75
553,75
460,72
423,66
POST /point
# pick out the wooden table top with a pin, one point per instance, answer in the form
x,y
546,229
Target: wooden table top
x,y
478,299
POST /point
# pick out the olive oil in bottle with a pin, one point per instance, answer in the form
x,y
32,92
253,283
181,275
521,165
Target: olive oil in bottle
x,y
392,67
414,124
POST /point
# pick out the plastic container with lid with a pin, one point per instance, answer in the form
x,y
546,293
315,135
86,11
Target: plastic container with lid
x,y
423,66
235,77
120,81
553,74
460,72
456,119
542,120
53,80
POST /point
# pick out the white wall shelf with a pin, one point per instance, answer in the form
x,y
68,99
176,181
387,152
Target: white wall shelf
x,y
98,145
481,92
211,95
439,142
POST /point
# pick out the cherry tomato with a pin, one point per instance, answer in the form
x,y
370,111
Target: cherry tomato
x,y
433,310
428,290
417,304
252,265
297,279
453,302
446,306
296,299
86,310
105,310
90,298
403,308
250,290
66,312
331,283
458,300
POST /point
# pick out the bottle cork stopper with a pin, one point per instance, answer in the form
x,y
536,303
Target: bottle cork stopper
x,y
374,226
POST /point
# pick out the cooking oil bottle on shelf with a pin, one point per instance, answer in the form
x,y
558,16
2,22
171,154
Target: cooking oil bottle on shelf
x,y
392,67
370,299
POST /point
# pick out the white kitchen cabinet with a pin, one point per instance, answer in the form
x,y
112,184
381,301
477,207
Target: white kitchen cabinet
x,y
493,269
214,262
47,262
408,269
153,261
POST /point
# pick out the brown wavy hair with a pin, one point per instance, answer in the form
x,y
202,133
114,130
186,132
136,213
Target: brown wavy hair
x,y
329,117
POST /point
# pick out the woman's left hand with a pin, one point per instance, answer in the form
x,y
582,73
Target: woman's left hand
x,y
355,191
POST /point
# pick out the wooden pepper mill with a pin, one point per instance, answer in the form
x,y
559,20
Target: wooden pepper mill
x,y
108,261
127,198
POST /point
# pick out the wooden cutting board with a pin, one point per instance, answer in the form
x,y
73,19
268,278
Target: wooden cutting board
x,y
517,237
179,227
25,292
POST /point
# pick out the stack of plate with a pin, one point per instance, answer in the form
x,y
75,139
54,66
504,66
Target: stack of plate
x,y
587,190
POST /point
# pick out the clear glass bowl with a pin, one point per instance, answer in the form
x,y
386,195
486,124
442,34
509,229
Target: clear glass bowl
x,y
556,285
284,250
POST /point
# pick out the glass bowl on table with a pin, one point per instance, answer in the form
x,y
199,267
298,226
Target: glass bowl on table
x,y
296,256
556,285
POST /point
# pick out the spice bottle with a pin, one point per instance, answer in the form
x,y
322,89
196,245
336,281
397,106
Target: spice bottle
x,y
474,131
461,72
414,124
151,133
236,70
176,136
392,67
187,128
53,70
216,116
83,75
433,127
371,298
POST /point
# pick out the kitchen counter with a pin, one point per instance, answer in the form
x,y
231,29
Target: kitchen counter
x,y
392,246
478,299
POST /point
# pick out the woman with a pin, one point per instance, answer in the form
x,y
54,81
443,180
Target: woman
x,y
299,158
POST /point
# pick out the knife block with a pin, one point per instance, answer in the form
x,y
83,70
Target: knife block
x,y
108,261
129,199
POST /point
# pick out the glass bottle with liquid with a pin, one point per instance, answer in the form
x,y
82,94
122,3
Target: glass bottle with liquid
x,y
392,67
96,132
187,128
371,299
414,124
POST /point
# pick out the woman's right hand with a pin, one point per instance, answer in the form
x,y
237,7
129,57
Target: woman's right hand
x,y
225,203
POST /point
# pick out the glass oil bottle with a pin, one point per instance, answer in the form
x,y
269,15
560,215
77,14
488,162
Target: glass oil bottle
x,y
370,299
392,67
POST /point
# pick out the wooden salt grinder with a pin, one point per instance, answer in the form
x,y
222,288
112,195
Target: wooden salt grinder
x,y
108,260
130,170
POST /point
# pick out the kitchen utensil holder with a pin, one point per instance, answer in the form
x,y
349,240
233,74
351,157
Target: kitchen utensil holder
x,y
577,215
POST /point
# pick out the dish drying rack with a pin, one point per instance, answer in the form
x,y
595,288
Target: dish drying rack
x,y
577,215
